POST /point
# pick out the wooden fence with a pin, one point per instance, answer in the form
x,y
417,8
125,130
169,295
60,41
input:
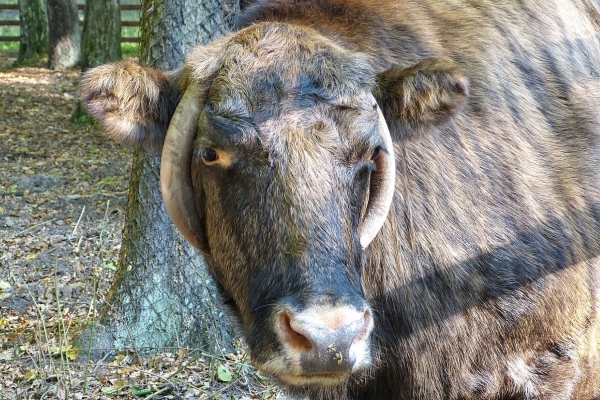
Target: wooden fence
x,y
80,7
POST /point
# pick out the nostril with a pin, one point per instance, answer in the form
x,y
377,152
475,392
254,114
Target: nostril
x,y
292,337
366,328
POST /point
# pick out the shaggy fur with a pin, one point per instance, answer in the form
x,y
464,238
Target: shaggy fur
x,y
484,279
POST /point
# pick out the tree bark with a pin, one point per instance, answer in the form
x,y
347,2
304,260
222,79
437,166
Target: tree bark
x,y
33,21
162,295
170,28
101,38
64,34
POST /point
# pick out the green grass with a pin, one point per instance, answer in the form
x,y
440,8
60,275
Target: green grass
x,y
130,49
10,30
12,47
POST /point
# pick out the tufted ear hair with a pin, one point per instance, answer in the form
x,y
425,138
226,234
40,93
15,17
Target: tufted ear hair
x,y
424,95
133,103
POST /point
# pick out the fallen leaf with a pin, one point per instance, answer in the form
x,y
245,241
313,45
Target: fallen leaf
x,y
120,383
61,393
29,375
223,373
136,391
7,355
72,353
109,389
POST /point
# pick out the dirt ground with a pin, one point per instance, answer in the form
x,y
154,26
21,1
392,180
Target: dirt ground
x,y
63,192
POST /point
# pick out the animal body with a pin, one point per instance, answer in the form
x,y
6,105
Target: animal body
x,y
398,199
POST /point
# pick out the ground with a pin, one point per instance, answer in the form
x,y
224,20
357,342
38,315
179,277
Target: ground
x,y
63,192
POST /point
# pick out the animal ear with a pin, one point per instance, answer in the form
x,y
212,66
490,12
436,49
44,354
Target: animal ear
x,y
424,95
133,103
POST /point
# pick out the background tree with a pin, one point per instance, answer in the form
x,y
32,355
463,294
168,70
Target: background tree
x,y
64,34
33,21
101,38
162,295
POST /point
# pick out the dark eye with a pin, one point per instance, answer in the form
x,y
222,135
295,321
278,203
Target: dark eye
x,y
376,153
360,186
209,156
344,107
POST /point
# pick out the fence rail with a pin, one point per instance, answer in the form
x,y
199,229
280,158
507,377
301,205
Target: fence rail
x,y
124,7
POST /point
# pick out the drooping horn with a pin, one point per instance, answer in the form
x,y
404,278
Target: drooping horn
x,y
175,168
381,193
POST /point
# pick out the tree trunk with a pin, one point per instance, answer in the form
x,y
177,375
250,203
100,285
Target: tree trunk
x,y
170,28
162,295
33,21
64,34
101,39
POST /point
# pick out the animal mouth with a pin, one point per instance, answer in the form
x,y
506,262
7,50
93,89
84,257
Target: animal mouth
x,y
317,379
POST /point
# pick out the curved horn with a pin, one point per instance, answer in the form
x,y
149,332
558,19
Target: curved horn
x,y
382,188
175,169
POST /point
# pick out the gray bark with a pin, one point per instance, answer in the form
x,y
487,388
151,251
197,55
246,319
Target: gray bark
x,y
162,295
33,21
101,38
64,34
182,25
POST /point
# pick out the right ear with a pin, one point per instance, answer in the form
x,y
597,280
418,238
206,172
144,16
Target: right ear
x,y
423,96
133,103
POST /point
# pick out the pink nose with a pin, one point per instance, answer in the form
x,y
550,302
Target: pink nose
x,y
327,339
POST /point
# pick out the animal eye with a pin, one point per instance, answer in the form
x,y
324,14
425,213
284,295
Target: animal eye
x,y
344,107
376,153
209,156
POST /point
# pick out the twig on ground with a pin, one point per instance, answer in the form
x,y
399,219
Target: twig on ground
x,y
32,227
78,222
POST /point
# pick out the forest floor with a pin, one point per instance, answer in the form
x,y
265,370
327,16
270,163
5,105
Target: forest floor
x,y
63,192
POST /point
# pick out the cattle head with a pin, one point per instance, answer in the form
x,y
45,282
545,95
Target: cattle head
x,y
278,165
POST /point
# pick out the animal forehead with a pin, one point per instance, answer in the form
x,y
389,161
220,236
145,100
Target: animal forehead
x,y
271,75
291,61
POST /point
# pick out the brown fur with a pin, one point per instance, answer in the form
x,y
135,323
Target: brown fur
x,y
134,103
484,278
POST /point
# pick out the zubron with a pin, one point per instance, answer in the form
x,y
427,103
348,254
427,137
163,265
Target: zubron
x,y
398,199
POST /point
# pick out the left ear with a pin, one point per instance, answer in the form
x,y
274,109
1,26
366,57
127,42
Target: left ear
x,y
425,95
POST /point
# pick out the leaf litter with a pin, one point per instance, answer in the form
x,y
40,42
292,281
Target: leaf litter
x,y
63,194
